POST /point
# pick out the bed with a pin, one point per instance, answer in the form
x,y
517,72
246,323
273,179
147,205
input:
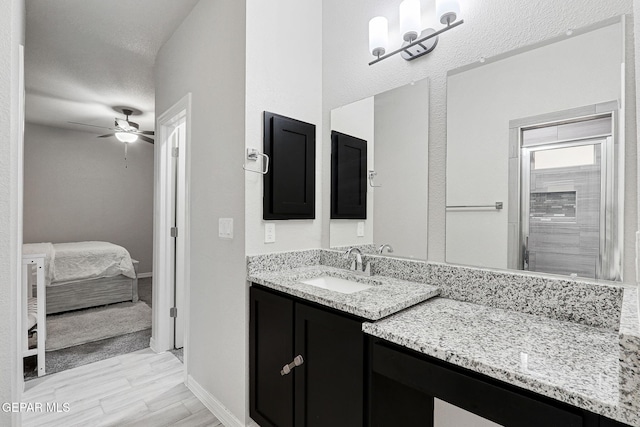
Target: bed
x,y
86,274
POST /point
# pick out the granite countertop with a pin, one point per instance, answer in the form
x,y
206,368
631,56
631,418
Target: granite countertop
x,y
570,362
385,297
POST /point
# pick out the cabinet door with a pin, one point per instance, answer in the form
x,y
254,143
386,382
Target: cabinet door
x,y
290,185
271,347
348,177
330,383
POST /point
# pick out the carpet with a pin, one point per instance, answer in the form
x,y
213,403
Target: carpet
x,y
83,326
72,357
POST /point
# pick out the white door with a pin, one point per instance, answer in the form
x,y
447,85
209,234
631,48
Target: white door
x,y
178,220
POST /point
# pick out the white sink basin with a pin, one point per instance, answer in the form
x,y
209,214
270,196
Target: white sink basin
x,y
336,284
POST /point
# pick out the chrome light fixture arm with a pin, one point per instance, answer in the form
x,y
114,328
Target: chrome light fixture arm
x,y
419,43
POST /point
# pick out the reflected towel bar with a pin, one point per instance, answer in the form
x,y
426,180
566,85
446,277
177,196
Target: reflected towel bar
x,y
496,206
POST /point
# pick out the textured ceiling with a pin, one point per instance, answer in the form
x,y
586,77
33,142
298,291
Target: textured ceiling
x,y
84,57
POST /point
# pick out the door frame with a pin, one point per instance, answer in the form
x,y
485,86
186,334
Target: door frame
x,y
17,378
163,292
615,110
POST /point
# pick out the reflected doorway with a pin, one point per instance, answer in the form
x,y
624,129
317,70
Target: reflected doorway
x,y
567,203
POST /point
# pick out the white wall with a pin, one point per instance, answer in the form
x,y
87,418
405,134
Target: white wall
x,y
205,56
355,119
481,102
284,76
77,188
11,36
491,27
402,159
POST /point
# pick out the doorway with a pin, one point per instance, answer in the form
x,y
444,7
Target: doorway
x,y
171,230
568,205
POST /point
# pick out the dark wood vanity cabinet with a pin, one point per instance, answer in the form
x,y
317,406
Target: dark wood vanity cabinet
x,y
404,384
348,379
328,388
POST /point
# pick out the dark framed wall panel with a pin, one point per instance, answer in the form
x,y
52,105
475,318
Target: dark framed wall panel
x,y
289,186
348,177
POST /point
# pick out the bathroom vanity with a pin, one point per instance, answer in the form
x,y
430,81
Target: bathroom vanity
x,y
379,356
323,328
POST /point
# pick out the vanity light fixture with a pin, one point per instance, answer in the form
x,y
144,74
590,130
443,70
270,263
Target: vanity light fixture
x,y
416,42
378,36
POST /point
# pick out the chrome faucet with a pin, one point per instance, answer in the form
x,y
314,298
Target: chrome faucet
x,y
358,261
383,247
356,265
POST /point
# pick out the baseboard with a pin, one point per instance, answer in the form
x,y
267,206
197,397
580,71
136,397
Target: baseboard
x,y
152,345
213,404
145,275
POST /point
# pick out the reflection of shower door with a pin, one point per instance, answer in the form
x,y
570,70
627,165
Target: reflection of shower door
x,y
565,190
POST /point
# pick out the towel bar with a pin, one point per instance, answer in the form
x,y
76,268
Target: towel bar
x,y
496,205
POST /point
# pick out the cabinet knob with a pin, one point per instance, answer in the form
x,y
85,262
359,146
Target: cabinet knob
x,y
297,361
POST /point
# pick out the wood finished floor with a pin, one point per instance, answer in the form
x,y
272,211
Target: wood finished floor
x,y
136,389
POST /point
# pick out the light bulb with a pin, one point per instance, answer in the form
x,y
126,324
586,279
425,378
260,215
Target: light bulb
x,y
447,10
378,35
126,137
410,26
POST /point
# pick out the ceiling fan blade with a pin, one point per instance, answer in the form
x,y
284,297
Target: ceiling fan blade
x,y
143,132
93,126
146,138
107,135
122,123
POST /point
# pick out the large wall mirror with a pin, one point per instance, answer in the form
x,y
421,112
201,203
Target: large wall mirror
x,y
395,126
535,158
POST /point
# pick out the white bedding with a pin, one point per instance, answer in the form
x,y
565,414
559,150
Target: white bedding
x,y
83,260
32,312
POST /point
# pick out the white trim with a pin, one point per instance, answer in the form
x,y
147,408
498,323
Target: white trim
x,y
163,294
214,405
145,275
17,378
152,345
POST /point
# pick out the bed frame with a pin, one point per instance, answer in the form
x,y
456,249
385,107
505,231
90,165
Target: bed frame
x,y
66,296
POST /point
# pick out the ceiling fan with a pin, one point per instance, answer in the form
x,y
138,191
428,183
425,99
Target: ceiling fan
x,y
125,130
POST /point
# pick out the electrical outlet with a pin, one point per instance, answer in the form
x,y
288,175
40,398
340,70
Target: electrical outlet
x,y
225,228
269,232
360,232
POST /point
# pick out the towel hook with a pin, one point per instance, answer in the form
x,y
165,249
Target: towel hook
x,y
372,176
253,154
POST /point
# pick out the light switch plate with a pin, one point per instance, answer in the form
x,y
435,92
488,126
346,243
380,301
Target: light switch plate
x,y
225,228
360,232
269,232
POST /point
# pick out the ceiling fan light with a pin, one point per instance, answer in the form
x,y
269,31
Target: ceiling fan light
x,y
126,137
